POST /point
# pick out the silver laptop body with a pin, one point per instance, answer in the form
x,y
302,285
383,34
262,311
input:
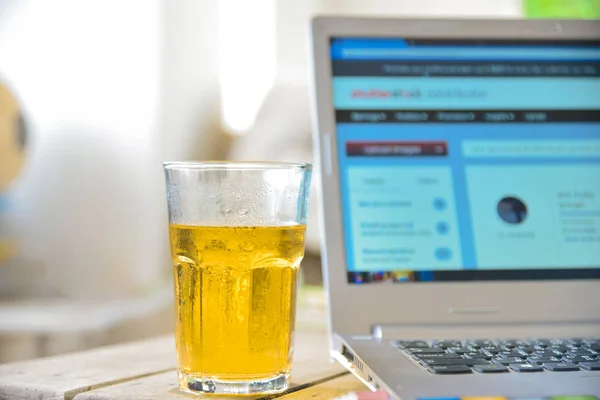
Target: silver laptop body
x,y
460,177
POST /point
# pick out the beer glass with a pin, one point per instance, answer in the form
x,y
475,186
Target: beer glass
x,y
236,232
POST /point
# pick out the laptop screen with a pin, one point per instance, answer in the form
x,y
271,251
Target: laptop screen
x,y
468,160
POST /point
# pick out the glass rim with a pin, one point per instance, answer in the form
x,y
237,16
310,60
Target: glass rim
x,y
235,165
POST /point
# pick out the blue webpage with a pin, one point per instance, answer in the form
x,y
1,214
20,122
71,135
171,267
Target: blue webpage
x,y
468,161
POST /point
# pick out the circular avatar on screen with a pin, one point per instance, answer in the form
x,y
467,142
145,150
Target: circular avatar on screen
x,y
512,210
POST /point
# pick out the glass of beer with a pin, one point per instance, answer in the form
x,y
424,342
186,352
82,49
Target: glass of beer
x,y
237,238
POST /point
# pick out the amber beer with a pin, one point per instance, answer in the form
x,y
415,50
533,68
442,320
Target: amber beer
x,y
235,293
237,238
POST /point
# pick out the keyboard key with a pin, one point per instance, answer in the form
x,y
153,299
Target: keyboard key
x,y
575,342
461,361
444,356
581,352
526,349
489,368
590,365
542,360
462,350
510,354
478,354
526,367
425,351
492,349
444,344
413,344
560,367
559,349
555,352
449,369
511,343
540,348
540,342
479,343
545,354
578,359
508,361
492,355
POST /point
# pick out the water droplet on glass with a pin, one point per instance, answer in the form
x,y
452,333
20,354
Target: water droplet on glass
x,y
243,211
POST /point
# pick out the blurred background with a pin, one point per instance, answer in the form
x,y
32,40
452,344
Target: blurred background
x,y
95,94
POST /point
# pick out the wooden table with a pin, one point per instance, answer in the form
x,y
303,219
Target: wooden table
x,y
145,370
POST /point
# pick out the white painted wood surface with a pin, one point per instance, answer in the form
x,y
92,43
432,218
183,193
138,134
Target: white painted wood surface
x,y
311,366
164,386
145,370
62,377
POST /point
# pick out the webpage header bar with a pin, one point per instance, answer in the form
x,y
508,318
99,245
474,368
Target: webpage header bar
x,y
462,53
463,116
465,69
466,93
398,49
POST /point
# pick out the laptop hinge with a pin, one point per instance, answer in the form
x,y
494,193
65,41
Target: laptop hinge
x,y
505,330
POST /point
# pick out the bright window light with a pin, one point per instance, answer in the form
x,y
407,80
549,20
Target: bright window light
x,y
247,59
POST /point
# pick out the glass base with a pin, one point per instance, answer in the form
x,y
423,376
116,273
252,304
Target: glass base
x,y
194,384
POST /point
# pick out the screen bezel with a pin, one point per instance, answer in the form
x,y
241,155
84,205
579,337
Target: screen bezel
x,y
357,309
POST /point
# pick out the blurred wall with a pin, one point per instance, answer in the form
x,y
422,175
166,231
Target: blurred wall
x,y
428,8
293,19
190,126
110,89
89,203
114,87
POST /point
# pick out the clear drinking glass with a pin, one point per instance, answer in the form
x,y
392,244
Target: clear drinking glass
x,y
237,238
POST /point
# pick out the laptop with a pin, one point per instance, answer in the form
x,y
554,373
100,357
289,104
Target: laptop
x,y
460,176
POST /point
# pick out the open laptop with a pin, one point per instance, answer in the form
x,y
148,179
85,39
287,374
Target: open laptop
x,y
460,169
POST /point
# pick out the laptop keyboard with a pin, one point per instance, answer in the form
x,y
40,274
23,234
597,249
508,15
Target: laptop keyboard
x,y
500,356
